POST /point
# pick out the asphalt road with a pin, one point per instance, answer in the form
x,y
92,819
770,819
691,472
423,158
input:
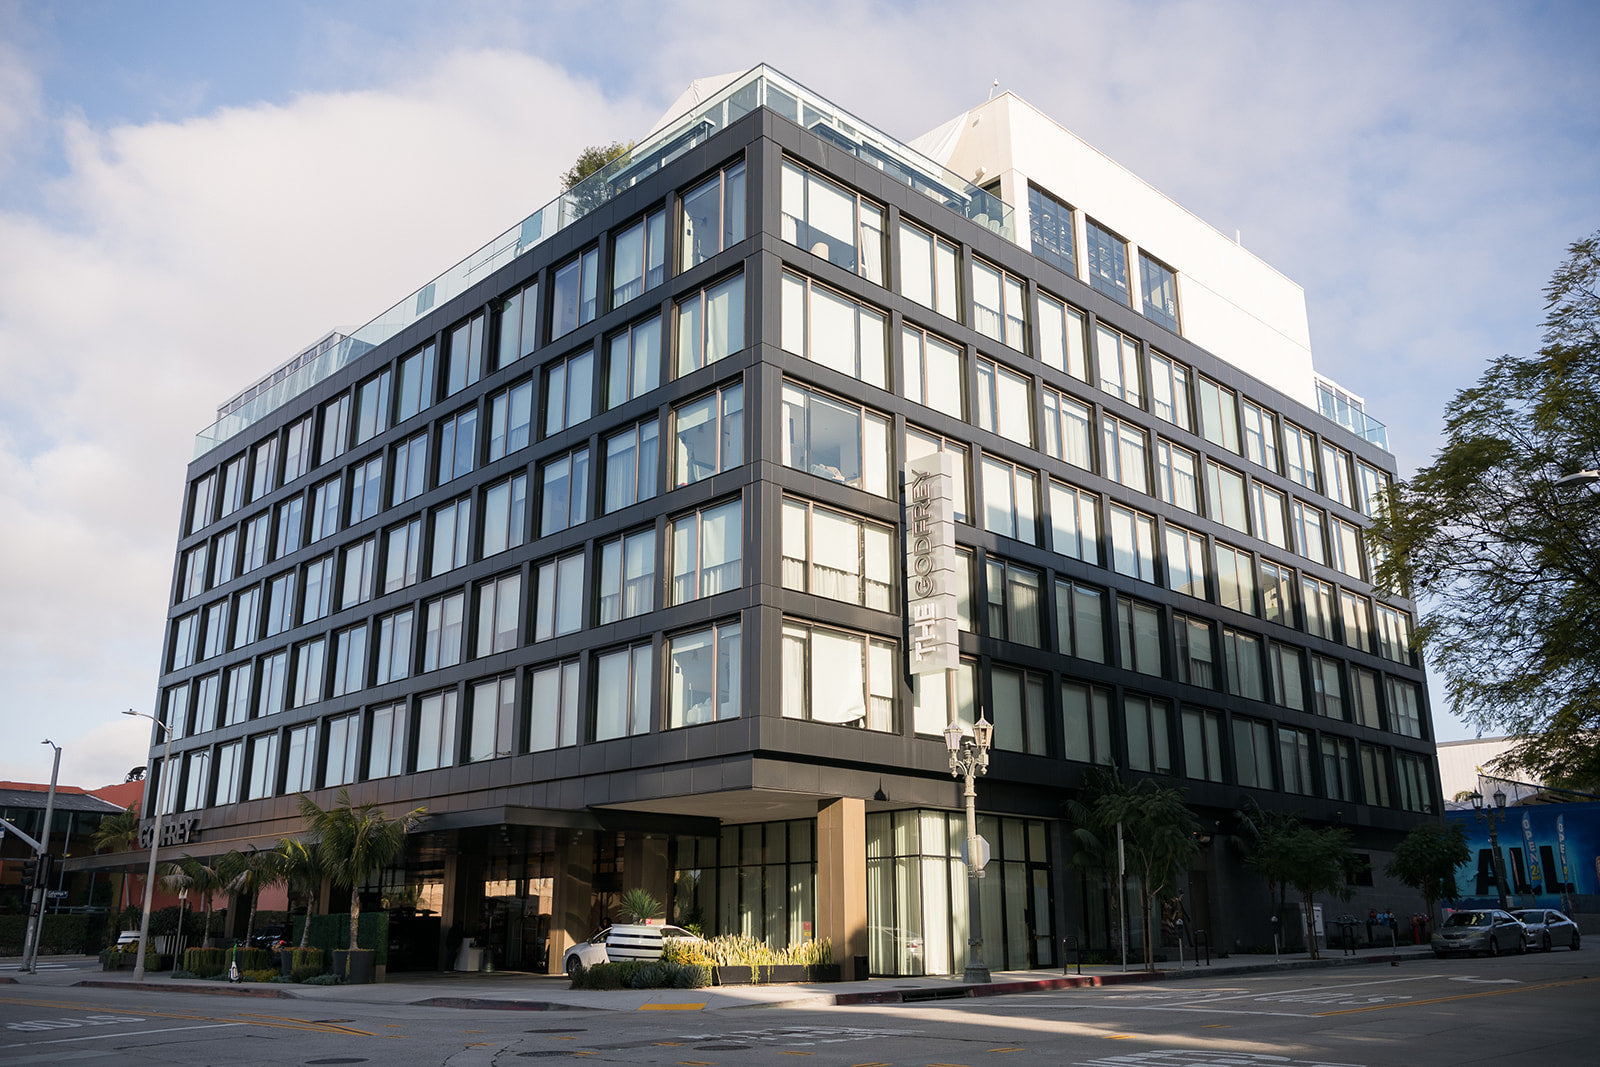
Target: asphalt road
x,y
1535,1009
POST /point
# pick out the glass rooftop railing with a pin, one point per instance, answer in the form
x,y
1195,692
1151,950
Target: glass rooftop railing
x,y
760,87
1348,413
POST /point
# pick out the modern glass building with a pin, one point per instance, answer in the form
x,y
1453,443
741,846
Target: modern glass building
x,y
595,546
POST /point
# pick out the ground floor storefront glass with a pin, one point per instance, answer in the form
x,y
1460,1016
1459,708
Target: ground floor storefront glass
x,y
758,879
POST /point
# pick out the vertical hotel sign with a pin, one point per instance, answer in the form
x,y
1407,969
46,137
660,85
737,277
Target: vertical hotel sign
x,y
930,565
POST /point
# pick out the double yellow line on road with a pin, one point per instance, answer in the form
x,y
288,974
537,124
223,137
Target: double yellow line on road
x,y
1459,996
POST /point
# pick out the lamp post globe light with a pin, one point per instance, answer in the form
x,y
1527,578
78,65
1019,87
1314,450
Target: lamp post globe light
x,y
1491,817
155,841
969,757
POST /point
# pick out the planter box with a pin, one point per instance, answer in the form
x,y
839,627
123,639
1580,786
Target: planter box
x,y
362,964
776,975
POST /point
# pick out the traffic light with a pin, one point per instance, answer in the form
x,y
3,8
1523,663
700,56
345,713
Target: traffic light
x,y
30,872
46,873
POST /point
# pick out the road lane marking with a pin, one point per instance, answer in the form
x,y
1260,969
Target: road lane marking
x,y
671,1007
1459,996
132,1033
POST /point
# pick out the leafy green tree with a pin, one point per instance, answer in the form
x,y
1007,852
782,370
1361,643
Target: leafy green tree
x,y
1427,859
355,843
249,872
201,877
1508,557
640,904
592,159
118,833
1320,861
1267,841
300,864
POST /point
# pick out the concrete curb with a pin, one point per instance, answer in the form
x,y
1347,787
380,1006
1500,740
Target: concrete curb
x,y
176,987
482,1003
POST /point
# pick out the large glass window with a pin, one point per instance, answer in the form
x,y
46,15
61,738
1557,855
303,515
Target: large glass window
x,y
519,319
1317,598
835,440
264,466
1010,495
410,469
1067,430
623,681
263,767
1394,634
706,547
233,486
1277,593
319,585
920,443
1375,775
1074,522
1236,584
1219,416
1118,359
296,450
223,557
1061,331
1139,636
1133,543
1327,692
928,270
1356,612
1225,497
366,489
1252,753
1364,697
395,633
639,258
1086,724
832,222
335,435
442,632
458,439
1192,654
464,365
386,752
1019,710
274,688
564,499
837,555
838,677
1149,734
216,630
499,611
505,515
1345,539
1004,402
568,392
360,572
1373,485
943,697
416,383
326,501
1307,523
436,730
1202,744
632,461
554,712
1295,752
633,361
1338,769
1186,562
452,535
310,667
709,434
194,571
510,419
1159,288
1080,621
230,770
575,293
710,325
350,660
492,724
1050,227
627,577
1108,262
1405,706
1260,435
704,675
1269,508
1013,595
1241,657
402,553
713,216
344,750
1299,456
1178,476
280,603
1338,479
1169,390
202,502
560,591
291,526
834,330
999,307
1288,682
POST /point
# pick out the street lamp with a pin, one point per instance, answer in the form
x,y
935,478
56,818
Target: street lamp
x,y
1492,817
969,757
30,939
1580,478
155,841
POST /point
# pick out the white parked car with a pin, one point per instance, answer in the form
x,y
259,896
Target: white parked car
x,y
624,941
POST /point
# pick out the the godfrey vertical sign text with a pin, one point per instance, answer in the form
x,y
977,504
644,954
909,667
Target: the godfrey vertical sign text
x,y
930,565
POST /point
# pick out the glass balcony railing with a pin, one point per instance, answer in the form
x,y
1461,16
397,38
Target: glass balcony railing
x,y
1342,410
759,87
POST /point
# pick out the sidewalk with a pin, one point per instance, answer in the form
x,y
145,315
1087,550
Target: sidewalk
x,y
516,991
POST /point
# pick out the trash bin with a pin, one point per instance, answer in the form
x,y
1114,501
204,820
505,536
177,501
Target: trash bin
x,y
858,968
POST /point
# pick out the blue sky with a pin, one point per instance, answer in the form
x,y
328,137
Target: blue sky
x,y
191,192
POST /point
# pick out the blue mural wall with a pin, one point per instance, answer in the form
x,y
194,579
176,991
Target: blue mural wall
x,y
1551,854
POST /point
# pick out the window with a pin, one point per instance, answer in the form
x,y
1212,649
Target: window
x,y
837,555
233,486
1159,287
1356,612
374,398
1277,594
458,438
943,697
216,630
1192,652
1050,228
1268,505
1149,734
703,675
1139,636
1118,358
1317,597
492,723
706,547
326,500
505,515
274,684
835,440
920,443
1327,694
297,450
176,714
1375,775
564,501
1373,486
1394,634
402,556
559,608
928,272
1178,476
713,216
1074,522
360,570
410,469
223,557
1260,435
1133,543
632,459
194,572
568,392
319,585
1364,697
436,731
963,584
264,468
246,616
999,308
1014,605
465,364
1299,460
291,526
1241,657
1294,748
832,222
1186,562
1108,262
633,361
280,603
1086,722
834,330
394,646
257,535
837,677
1169,390
639,258
202,502
1019,710
710,325
1219,422
386,751
1307,524
310,666
1338,479
263,767
1346,542
1067,433
709,432
335,428
350,660
1339,773
499,608
1288,682
344,750
627,577
574,293
452,535
554,717
1252,753
1061,330
1225,497
519,334
1202,744
1004,403
230,758
416,383
1236,585
441,636
1405,707
932,371
1009,495
1080,621
510,419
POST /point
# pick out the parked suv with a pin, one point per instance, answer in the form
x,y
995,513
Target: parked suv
x,y
1487,930
624,941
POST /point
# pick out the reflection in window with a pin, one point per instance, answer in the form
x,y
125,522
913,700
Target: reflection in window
x,y
831,439
394,647
713,216
1178,476
559,609
1288,682
838,677
1219,417
1405,707
622,686
1317,596
416,383
1294,750
709,435
344,750
1307,523
1086,724
505,515
1260,435
1010,495
1186,562
1149,734
836,555
1118,358
1268,506
1067,430
1108,262
1192,653
1133,543
519,333
452,535
1159,287
1225,497
832,222
575,293
710,325
932,371
1299,459
564,499
436,731
1080,621
1139,636
706,547
920,444
464,365
633,361
632,458
1169,390
402,555
999,309
627,577
568,392
639,258
1277,594
335,435
499,609
1126,451
1019,710
263,767
1050,230
834,330
492,726
1202,744
510,419
943,697
554,710
458,438
928,272
441,636
1236,584
1061,330
386,752
1252,753
1013,598
1241,656
704,675
410,469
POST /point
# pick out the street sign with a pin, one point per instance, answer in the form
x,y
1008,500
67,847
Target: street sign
x,y
983,852
56,894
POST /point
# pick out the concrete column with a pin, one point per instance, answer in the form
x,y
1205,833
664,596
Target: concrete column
x,y
644,866
842,880
572,894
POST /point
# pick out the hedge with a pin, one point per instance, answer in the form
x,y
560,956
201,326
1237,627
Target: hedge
x,y
62,935
332,932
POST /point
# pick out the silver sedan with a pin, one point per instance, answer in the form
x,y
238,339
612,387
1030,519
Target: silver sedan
x,y
1548,928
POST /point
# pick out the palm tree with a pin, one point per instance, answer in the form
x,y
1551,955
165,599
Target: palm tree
x,y
206,877
355,843
177,879
250,872
118,833
301,866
